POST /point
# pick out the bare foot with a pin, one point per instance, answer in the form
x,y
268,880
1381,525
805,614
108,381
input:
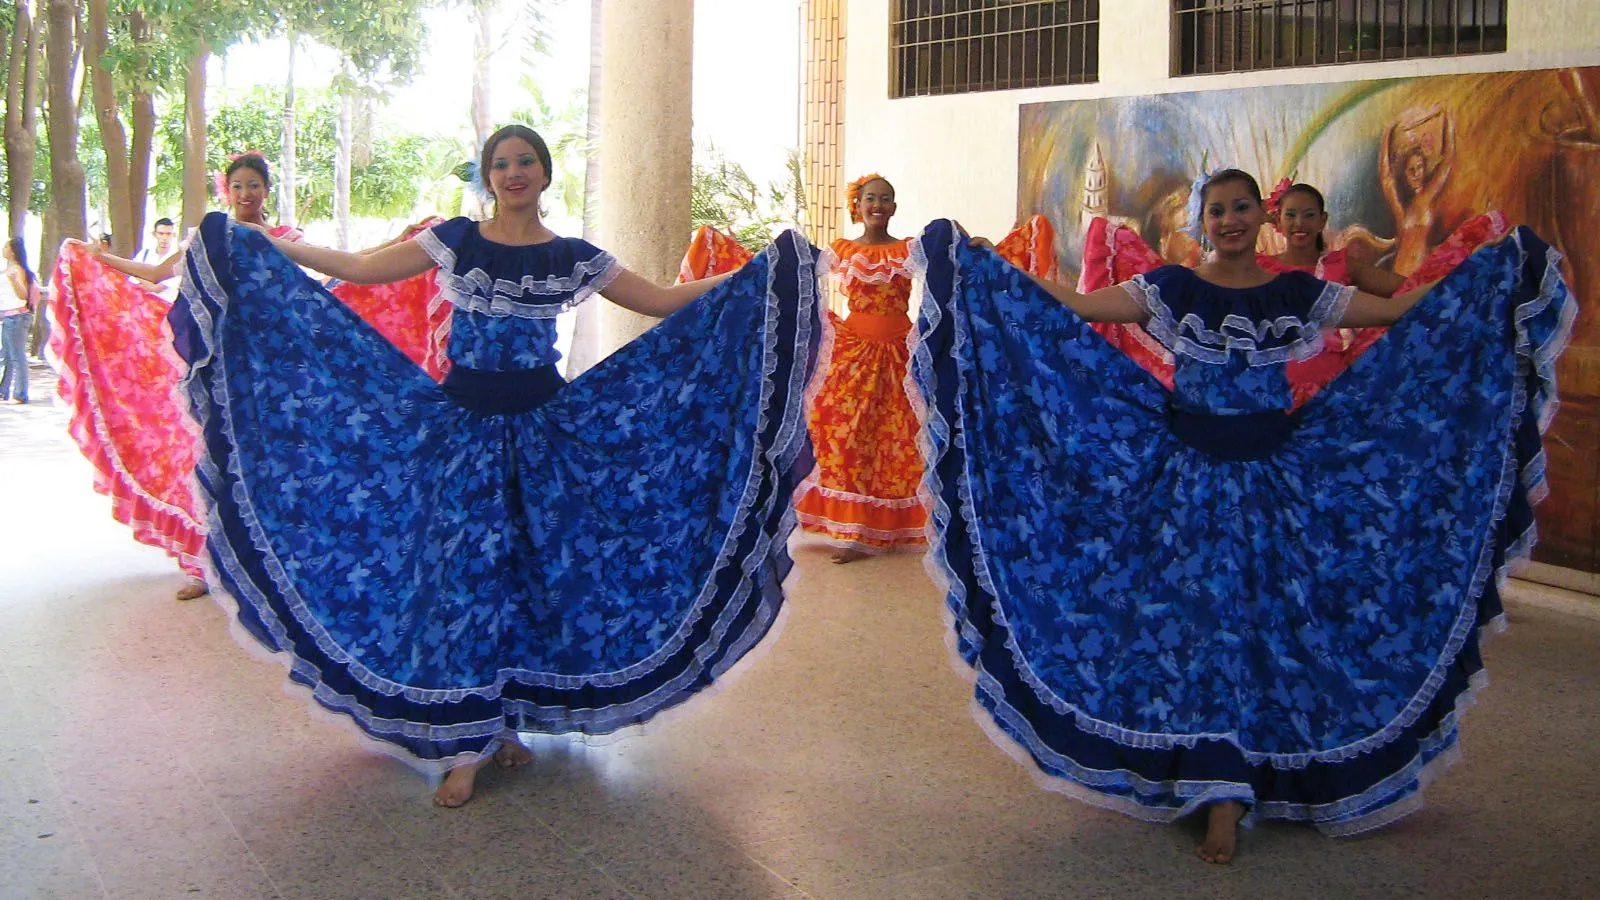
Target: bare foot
x,y
512,754
847,555
1222,832
457,787
193,589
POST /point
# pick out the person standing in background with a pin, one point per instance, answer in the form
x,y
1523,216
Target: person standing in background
x,y
166,243
17,300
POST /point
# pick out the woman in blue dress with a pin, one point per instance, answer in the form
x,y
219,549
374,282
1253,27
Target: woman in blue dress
x,y
1193,599
448,564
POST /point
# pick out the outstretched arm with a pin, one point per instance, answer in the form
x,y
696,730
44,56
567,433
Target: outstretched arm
x,y
634,292
1369,310
1108,304
150,272
1374,280
393,263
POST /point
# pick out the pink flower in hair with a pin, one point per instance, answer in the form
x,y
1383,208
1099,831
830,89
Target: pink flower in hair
x,y
219,181
1275,199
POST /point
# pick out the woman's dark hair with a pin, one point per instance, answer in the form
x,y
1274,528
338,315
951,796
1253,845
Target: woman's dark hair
x,y
1322,205
486,158
1230,176
19,252
253,161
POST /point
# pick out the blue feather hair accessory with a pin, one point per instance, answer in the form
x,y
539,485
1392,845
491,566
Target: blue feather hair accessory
x,y
473,176
1197,196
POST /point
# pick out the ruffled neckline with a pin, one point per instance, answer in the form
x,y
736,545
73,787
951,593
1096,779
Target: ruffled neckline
x,y
899,248
856,263
536,281
1270,323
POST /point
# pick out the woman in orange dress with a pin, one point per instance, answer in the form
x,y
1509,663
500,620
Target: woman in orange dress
x,y
862,497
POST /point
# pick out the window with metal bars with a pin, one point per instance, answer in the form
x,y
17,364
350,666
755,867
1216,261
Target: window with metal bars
x,y
1242,35
959,46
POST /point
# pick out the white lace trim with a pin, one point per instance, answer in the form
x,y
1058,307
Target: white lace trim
x,y
90,432
862,269
887,535
814,483
477,292
1191,337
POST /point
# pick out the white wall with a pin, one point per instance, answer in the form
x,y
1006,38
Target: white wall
x,y
957,156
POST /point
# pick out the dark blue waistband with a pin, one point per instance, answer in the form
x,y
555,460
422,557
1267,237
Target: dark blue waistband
x,y
502,393
1244,437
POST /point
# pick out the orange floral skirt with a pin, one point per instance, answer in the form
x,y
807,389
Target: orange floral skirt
x,y
863,494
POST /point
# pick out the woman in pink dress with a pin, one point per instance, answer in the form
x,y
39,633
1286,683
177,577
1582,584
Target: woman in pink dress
x,y
118,372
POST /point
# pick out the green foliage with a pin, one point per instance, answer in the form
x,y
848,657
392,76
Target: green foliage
x,y
381,41
388,186
564,130
92,156
723,195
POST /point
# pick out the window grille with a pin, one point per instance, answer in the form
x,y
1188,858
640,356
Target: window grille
x,y
959,46
1243,35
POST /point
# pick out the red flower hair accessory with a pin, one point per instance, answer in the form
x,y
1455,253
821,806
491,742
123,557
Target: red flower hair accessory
x,y
1275,199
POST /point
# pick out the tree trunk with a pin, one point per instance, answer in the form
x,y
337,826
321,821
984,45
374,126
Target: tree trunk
x,y
287,211
68,197
196,179
113,136
142,148
22,113
341,166
482,112
482,50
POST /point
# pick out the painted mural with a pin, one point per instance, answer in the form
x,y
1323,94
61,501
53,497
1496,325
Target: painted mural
x,y
1402,162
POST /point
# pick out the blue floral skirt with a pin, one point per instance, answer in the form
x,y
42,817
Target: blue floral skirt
x,y
439,574
1159,628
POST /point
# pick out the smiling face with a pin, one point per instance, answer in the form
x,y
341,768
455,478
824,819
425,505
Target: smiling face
x,y
247,194
1233,217
517,176
1301,218
876,205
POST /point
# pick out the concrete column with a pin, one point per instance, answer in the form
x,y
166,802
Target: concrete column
x,y
646,146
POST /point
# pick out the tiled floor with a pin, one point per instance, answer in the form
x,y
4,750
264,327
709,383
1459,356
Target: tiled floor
x,y
147,756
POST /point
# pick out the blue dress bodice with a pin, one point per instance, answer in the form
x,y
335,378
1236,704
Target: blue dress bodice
x,y
505,297
1230,345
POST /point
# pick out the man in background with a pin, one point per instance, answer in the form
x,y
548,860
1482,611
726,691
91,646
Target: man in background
x,y
166,235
